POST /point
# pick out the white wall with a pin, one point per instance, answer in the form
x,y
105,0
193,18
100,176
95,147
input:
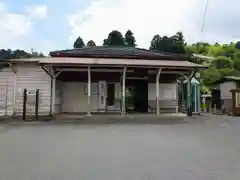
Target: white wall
x,y
75,99
225,89
6,91
33,77
167,91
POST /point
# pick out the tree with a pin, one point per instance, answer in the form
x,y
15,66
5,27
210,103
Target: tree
x,y
237,45
156,42
174,44
222,62
178,45
105,42
18,54
78,43
210,76
115,38
130,39
236,60
199,48
91,43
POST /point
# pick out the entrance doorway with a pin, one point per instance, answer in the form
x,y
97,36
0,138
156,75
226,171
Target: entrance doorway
x,y
110,96
137,95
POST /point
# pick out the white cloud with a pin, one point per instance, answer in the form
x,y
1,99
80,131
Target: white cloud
x,y
37,11
15,26
145,18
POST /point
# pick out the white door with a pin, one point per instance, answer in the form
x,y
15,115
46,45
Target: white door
x,y
102,95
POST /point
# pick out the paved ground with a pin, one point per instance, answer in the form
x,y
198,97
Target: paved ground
x,y
206,150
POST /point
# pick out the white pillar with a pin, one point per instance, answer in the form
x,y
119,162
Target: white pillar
x,y
53,94
157,92
199,99
54,79
89,91
195,94
14,92
183,96
123,92
177,105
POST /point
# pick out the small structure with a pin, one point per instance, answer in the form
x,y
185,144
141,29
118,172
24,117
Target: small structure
x,y
206,102
225,86
235,102
195,95
95,80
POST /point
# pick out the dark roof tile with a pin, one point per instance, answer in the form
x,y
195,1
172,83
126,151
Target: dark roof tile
x,y
115,52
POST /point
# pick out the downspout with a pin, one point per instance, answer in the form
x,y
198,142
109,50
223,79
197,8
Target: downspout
x,y
51,86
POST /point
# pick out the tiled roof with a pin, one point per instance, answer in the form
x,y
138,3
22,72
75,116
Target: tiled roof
x,y
110,62
115,52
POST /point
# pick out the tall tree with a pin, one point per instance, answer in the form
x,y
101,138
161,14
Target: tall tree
x,y
78,43
105,42
156,43
130,39
91,43
115,38
173,44
178,45
17,54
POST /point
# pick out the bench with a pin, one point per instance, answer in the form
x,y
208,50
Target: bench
x,y
165,106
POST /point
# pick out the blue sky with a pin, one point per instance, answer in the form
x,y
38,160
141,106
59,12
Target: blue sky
x,y
54,24
54,30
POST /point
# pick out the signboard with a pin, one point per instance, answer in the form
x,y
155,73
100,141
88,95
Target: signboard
x,y
197,75
31,97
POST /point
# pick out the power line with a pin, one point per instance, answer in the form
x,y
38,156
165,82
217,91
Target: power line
x,y
204,15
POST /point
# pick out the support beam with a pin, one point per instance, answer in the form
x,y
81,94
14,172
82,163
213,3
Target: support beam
x,y
89,91
177,98
14,70
50,71
53,94
123,113
157,92
54,78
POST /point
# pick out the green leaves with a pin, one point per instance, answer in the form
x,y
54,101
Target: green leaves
x,y
222,62
91,43
78,43
174,44
130,39
115,38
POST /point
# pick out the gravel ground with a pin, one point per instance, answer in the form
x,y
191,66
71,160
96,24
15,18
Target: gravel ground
x,y
206,149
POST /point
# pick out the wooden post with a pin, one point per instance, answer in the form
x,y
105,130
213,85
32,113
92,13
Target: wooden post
x,y
89,91
157,92
24,103
37,104
123,92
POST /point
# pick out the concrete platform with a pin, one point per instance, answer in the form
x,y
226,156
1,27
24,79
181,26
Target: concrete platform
x,y
116,118
113,118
